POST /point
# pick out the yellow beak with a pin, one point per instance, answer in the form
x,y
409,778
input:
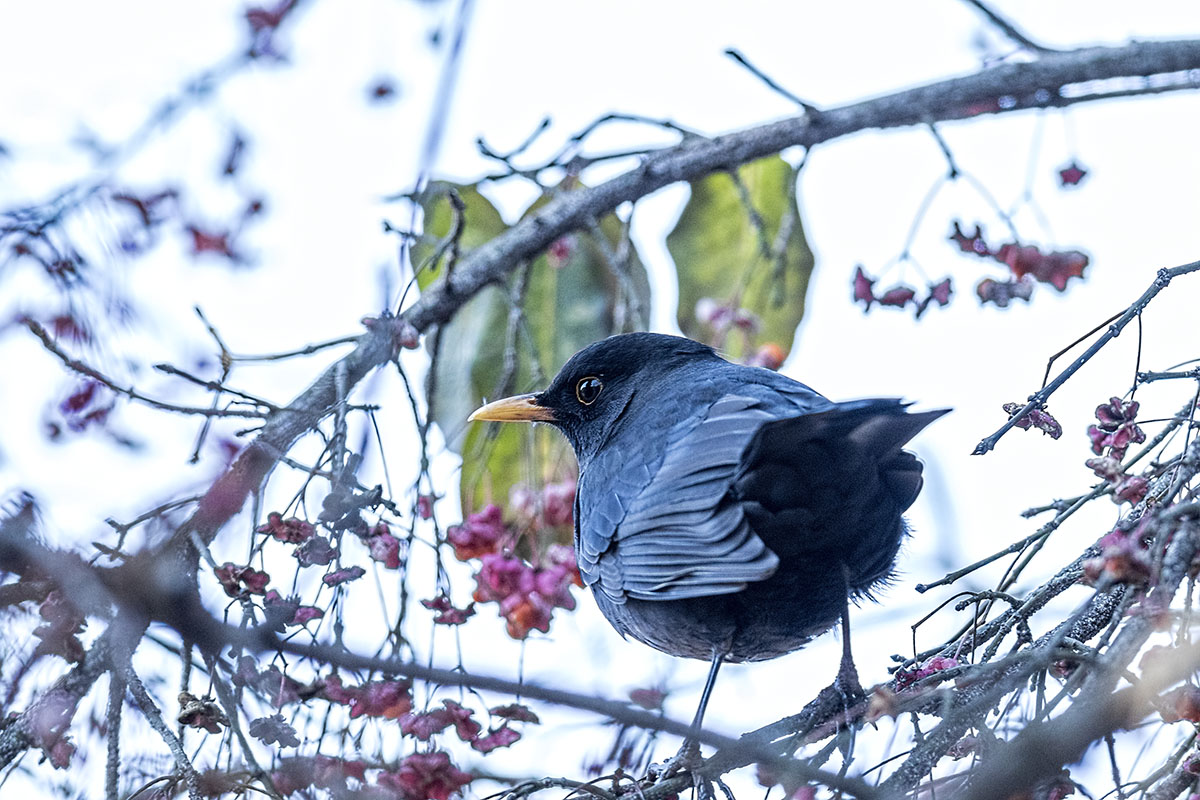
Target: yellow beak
x,y
521,408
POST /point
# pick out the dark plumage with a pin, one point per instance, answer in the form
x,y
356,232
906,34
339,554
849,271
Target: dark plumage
x,y
724,512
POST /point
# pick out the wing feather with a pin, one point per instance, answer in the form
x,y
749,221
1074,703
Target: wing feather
x,y
679,534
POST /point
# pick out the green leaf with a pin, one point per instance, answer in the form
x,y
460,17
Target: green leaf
x,y
582,290
470,357
470,354
588,285
481,223
721,253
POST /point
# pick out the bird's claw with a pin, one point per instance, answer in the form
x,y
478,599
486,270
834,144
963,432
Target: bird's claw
x,y
687,763
850,689
847,684
848,695
688,760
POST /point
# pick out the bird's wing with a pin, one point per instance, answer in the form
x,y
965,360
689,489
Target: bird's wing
x,y
674,532
829,487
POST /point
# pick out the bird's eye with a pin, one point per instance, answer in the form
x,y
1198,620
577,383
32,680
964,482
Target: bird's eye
x,y
588,389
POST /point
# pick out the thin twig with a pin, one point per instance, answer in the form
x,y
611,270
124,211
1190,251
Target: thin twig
x,y
506,158
213,386
307,350
1010,30
1015,547
233,713
951,165
149,709
83,369
737,56
1151,377
1071,346
1038,399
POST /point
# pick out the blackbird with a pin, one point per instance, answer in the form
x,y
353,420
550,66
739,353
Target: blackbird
x,y
724,512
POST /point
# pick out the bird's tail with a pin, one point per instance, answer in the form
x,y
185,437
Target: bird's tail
x,y
881,427
876,429
833,484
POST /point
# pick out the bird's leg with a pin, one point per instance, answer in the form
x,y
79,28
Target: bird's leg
x,y
847,677
847,682
848,687
690,744
688,756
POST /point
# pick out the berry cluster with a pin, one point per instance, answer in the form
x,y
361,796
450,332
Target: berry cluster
x,y
525,593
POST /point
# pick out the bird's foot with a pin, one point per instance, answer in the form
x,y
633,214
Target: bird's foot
x,y
849,687
688,759
842,701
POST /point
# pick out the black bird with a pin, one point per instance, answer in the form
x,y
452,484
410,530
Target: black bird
x,y
725,512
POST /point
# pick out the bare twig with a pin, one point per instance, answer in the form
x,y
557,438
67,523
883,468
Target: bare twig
x,y
112,721
951,165
217,386
307,350
1078,340
506,158
527,788
1038,399
83,369
737,56
229,704
1010,30
1150,377
149,709
1040,750
1015,547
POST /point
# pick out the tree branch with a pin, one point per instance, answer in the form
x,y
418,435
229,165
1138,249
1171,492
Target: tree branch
x,y
75,365
1008,29
1002,89
1040,750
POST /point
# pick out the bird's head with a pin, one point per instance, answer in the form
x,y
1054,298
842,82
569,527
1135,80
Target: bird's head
x,y
596,387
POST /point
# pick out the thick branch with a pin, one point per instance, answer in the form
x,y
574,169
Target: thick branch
x,y
1002,89
20,733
